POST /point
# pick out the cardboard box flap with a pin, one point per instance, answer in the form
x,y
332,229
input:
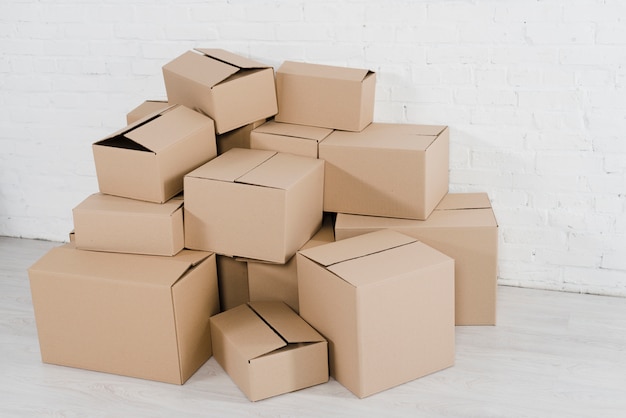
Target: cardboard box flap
x,y
371,137
291,327
248,332
230,58
356,247
323,71
109,203
232,164
272,172
455,201
201,68
404,129
140,269
295,131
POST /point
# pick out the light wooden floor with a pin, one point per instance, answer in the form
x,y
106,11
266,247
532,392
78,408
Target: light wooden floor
x,y
552,354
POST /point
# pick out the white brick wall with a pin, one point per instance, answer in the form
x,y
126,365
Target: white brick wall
x,y
534,93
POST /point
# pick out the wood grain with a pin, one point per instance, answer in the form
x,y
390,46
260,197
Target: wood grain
x,y
551,354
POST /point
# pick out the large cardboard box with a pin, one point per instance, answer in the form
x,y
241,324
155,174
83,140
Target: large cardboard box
x,y
463,226
232,280
148,159
117,224
395,170
385,303
237,138
146,108
279,282
231,89
256,204
132,315
268,350
286,137
325,96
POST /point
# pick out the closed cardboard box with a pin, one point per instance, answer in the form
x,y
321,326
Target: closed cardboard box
x,y
268,350
147,160
146,108
394,170
385,303
255,204
325,96
231,89
279,282
132,315
463,226
117,224
286,137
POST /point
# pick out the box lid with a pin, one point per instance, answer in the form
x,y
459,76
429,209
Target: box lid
x,y
323,71
101,202
295,131
141,269
230,58
455,201
286,322
387,136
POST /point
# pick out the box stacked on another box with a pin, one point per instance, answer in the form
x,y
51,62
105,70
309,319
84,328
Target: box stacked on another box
x,y
319,212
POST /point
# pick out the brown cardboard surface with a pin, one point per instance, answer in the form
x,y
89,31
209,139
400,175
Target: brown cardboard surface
x,y
110,223
268,350
254,204
148,159
237,138
231,89
133,315
146,108
286,137
387,313
325,96
394,170
232,276
279,282
464,227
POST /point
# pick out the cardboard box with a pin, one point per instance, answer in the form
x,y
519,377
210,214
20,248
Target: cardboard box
x,y
117,224
132,315
237,138
325,96
268,350
279,282
463,226
287,137
147,160
395,170
256,204
232,280
146,108
385,303
231,89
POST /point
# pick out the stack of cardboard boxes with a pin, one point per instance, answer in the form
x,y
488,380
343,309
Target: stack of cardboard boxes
x,y
310,240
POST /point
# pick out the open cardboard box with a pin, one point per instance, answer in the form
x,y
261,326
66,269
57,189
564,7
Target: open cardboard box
x,y
132,315
268,350
385,303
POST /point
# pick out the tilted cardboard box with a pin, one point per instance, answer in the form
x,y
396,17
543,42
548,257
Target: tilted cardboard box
x,y
254,204
132,315
146,108
279,282
385,303
231,89
325,96
147,160
395,170
286,137
268,350
463,226
117,224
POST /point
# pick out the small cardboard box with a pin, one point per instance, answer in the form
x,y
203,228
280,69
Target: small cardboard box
x,y
232,280
237,138
286,137
147,160
231,89
256,204
146,108
132,315
117,224
279,282
385,303
463,226
394,170
268,350
325,96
